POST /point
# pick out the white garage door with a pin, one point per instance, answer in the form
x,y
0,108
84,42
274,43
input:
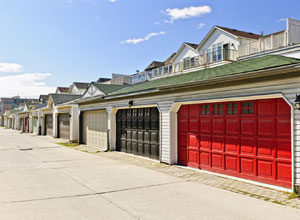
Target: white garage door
x,y
95,128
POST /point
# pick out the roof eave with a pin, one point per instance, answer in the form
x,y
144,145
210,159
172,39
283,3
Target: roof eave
x,y
239,76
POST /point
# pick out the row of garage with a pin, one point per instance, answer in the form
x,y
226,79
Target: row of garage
x,y
249,139
246,129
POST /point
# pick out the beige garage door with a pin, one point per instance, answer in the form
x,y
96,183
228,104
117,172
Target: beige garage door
x,y
95,128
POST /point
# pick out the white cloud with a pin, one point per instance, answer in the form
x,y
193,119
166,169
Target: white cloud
x,y
281,20
25,85
112,1
200,26
186,13
140,40
10,68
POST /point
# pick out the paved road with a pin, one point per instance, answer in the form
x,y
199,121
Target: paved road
x,y
58,183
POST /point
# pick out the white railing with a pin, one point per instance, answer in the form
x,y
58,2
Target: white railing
x,y
190,63
268,42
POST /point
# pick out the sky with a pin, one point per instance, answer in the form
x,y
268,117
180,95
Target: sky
x,y
50,43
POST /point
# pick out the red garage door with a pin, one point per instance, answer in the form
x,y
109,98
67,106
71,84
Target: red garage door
x,y
247,139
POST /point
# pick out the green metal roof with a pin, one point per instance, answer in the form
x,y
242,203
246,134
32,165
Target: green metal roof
x,y
108,88
255,64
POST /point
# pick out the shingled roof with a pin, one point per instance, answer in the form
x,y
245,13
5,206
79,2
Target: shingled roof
x,y
240,33
62,98
192,45
108,88
256,64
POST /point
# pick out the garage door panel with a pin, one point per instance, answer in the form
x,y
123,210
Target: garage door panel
x,y
266,126
247,166
217,143
193,158
283,149
205,141
231,163
265,107
194,111
248,139
182,140
248,126
218,125
194,125
232,126
205,125
182,155
248,145
283,108
204,158
265,147
284,171
283,127
265,168
217,161
193,142
183,125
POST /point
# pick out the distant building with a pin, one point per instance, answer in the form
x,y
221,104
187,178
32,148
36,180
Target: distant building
x,y
7,104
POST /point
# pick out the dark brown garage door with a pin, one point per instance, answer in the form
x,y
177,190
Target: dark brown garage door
x,y
64,126
49,125
138,131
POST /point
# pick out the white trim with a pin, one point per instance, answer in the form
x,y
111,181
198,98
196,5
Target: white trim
x,y
238,179
176,106
292,141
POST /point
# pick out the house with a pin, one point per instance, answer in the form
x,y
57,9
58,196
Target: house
x,y
285,42
78,88
60,122
62,90
153,70
35,118
93,122
43,98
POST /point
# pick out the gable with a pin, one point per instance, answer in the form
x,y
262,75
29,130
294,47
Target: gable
x,y
218,36
92,91
185,52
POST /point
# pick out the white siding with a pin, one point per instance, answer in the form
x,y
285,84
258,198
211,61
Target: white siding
x,y
219,36
186,52
164,108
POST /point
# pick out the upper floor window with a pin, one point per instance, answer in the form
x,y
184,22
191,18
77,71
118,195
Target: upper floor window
x,y
186,63
217,51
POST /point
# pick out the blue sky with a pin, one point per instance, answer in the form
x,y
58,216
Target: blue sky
x,y
46,43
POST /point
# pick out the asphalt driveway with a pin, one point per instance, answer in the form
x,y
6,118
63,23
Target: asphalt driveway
x,y
42,180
